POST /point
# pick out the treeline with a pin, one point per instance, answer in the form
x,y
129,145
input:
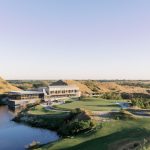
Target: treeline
x,y
118,96
138,84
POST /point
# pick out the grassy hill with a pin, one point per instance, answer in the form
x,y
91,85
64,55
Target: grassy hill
x,y
89,86
6,87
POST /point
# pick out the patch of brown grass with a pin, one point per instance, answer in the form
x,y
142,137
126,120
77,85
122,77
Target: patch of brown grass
x,y
105,87
6,87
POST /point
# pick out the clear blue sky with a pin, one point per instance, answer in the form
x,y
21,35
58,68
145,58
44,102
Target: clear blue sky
x,y
75,39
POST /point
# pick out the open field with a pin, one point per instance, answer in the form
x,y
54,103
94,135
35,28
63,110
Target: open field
x,y
114,135
93,104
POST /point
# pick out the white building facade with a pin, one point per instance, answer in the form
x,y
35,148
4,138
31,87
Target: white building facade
x,y
63,91
56,91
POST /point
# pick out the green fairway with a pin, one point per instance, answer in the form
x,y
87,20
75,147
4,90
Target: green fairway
x,y
105,137
109,135
94,104
40,110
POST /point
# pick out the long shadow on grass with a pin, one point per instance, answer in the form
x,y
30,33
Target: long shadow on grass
x,y
104,105
102,143
64,114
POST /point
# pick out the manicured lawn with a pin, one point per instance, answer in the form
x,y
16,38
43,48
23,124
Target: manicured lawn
x,y
94,104
39,110
109,136
105,137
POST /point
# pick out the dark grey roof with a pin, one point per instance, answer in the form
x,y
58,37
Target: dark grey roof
x,y
24,92
58,83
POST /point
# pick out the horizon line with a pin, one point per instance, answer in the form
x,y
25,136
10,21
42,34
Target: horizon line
x,y
85,79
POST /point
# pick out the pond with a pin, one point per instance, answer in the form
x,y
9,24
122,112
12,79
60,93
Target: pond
x,y
15,136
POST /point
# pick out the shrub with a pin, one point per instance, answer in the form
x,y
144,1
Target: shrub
x,y
141,102
112,95
69,101
76,126
79,121
123,115
135,95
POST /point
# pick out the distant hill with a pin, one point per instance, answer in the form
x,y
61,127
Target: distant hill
x,y
83,88
90,86
6,87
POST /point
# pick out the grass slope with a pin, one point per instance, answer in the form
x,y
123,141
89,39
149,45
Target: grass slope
x,y
87,86
105,137
6,87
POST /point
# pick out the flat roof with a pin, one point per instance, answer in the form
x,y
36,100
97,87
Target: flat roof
x,y
24,92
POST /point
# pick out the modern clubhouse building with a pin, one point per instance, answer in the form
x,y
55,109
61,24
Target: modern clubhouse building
x,y
56,91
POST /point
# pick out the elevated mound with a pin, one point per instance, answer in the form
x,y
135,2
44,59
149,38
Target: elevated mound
x,y
83,88
6,87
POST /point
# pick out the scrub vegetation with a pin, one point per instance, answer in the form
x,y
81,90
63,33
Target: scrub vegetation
x,y
141,103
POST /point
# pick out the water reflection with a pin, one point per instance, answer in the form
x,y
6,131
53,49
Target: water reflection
x,y
14,136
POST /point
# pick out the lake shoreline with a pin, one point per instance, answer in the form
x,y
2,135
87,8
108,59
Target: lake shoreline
x,y
28,133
